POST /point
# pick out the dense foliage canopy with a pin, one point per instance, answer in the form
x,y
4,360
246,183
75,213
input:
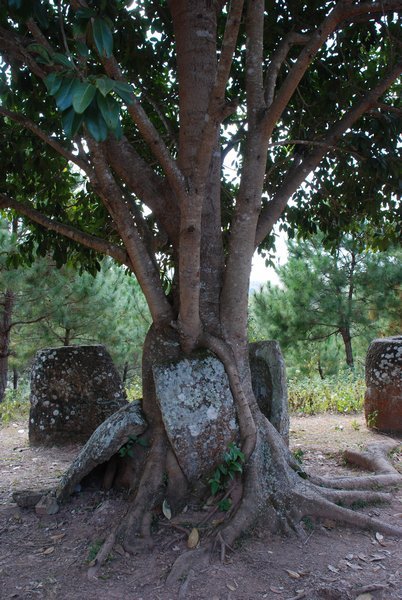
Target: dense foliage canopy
x,y
73,69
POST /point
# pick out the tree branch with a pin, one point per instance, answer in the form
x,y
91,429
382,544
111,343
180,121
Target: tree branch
x,y
68,231
254,59
277,61
145,183
28,322
344,10
31,126
316,143
271,213
142,264
13,45
217,109
148,132
38,35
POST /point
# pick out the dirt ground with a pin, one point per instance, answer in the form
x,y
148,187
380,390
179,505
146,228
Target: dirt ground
x,y
47,557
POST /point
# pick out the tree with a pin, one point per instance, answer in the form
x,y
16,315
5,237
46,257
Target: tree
x,y
145,101
326,293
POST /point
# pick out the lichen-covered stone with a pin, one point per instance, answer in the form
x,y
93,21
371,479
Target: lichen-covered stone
x,y
73,390
198,412
383,397
268,377
105,441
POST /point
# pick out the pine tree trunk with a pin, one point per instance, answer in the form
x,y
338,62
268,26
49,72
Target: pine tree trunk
x,y
347,340
5,327
15,378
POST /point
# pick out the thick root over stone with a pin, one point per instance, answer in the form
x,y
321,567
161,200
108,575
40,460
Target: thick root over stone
x,y
282,498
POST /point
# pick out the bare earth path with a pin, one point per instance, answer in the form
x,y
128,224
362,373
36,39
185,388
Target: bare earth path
x,y
47,557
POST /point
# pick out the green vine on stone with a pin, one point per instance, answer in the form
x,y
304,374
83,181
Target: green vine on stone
x,y
128,450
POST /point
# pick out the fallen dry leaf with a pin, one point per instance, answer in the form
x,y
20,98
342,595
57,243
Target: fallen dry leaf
x,y
376,557
353,566
333,569
364,597
276,590
58,537
193,539
49,550
293,574
231,587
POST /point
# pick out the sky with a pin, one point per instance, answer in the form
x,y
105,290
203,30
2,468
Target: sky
x,y
260,274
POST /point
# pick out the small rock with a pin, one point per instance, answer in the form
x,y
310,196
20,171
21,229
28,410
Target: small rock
x,y
28,498
47,505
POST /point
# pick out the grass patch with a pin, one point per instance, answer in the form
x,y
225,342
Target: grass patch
x,y
342,393
134,389
15,406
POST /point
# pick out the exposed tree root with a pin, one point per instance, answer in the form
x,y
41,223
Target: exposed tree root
x,y
351,497
273,487
135,528
375,459
322,508
286,498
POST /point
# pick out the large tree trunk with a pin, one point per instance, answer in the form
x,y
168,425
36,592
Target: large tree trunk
x,y
7,305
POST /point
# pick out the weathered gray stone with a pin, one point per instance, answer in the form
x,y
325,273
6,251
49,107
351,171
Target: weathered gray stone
x,y
47,505
198,412
106,441
383,397
73,390
28,498
268,376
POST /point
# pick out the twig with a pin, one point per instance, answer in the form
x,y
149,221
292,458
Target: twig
x,y
216,508
307,539
371,588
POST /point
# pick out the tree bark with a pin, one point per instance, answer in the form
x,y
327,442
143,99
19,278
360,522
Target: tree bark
x,y
7,306
347,341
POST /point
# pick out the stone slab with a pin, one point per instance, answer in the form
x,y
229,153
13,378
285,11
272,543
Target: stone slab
x,y
198,412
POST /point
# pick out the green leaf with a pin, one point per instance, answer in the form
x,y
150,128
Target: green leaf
x,y
124,91
214,487
71,122
103,37
110,110
84,93
64,96
41,50
118,131
85,13
61,59
82,48
96,124
53,83
105,85
225,505
15,4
